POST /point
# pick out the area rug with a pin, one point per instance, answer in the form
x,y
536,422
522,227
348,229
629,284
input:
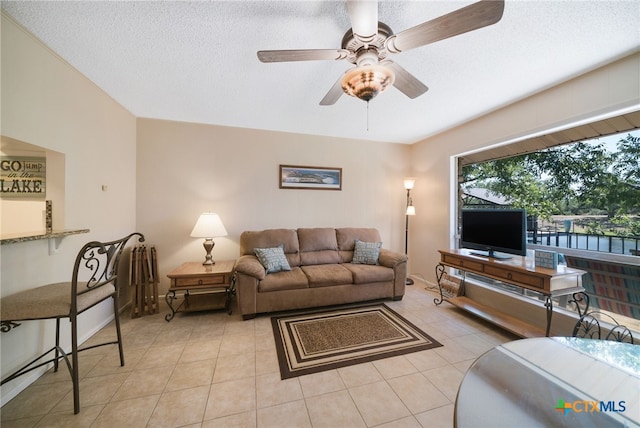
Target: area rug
x,y
315,341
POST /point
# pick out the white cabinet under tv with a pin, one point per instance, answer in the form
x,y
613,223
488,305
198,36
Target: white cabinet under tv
x,y
517,271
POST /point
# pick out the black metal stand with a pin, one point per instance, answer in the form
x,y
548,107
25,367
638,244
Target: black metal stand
x,y
440,268
548,304
440,271
169,298
581,300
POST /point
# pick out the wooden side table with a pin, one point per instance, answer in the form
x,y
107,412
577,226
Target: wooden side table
x,y
195,280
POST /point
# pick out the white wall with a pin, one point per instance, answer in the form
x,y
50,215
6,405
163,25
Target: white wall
x,y
605,90
185,169
47,103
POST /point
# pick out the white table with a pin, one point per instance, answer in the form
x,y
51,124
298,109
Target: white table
x,y
545,382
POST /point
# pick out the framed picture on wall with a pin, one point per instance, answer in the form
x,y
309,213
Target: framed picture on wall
x,y
310,177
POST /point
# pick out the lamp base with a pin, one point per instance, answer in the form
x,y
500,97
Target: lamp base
x,y
408,281
208,247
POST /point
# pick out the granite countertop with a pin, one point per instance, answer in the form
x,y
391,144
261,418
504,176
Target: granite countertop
x,y
23,237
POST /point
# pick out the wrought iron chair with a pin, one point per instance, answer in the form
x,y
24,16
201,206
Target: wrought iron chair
x,y
94,280
589,326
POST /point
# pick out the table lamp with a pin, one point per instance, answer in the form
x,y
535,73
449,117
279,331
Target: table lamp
x,y
208,226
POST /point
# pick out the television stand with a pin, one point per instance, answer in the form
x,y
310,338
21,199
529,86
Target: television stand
x,y
491,254
516,271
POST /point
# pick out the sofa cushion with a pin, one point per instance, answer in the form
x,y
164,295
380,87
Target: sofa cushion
x,y
251,240
327,275
286,280
318,246
363,274
366,253
346,237
273,259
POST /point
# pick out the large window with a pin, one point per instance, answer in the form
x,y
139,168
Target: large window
x,y
581,190
583,195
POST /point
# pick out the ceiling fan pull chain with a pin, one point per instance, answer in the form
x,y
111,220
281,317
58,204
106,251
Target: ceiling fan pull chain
x,y
367,116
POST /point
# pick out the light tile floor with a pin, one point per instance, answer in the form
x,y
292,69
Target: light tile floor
x,y
209,369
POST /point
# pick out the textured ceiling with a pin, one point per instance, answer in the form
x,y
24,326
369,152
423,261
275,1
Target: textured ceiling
x,y
196,61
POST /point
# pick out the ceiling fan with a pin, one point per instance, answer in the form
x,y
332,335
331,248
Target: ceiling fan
x,y
368,43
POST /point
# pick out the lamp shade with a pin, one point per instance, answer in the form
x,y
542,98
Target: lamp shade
x,y
411,210
365,82
208,225
409,182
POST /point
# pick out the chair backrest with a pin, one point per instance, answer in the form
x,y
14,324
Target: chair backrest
x,y
620,333
96,265
589,326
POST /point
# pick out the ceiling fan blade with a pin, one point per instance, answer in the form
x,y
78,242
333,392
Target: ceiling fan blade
x,y
472,17
406,82
334,93
363,15
302,55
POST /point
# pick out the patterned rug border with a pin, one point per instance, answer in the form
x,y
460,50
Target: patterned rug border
x,y
418,341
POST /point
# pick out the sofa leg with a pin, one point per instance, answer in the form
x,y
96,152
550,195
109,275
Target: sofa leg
x,y
248,317
397,298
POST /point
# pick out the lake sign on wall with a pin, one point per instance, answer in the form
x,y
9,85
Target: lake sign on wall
x,y
23,177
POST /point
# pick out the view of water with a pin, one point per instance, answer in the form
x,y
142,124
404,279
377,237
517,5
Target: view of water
x,y
606,244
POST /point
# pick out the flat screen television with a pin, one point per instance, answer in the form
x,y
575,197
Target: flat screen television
x,y
495,230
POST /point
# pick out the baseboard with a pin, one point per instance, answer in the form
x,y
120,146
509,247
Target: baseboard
x,y
431,286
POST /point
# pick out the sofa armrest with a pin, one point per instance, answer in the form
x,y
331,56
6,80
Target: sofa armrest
x,y
250,265
398,262
391,259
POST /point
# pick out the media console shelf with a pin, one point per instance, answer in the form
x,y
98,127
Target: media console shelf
x,y
517,271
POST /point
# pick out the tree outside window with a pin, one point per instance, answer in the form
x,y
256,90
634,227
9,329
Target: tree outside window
x,y
595,184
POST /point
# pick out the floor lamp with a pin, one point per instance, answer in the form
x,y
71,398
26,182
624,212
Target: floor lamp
x,y
411,210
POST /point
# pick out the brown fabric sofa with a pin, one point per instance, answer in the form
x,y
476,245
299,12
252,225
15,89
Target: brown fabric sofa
x,y
322,272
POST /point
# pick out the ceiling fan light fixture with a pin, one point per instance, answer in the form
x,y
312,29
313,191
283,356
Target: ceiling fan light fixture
x,y
365,82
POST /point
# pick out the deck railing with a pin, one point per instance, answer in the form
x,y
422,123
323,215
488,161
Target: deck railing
x,y
628,245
